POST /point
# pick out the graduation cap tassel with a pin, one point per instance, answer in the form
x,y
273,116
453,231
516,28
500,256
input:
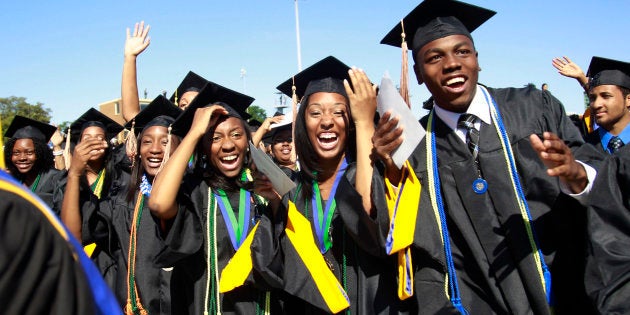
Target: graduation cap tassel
x,y
294,102
131,145
66,150
404,73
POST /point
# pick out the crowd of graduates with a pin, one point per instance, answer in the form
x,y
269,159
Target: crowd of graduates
x,y
503,207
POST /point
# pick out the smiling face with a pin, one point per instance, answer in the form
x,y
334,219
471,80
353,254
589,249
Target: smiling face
x,y
23,155
226,146
326,119
152,147
450,69
281,147
609,107
94,132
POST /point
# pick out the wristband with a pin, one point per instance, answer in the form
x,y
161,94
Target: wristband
x,y
58,153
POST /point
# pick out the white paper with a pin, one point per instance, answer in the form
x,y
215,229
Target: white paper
x,y
389,99
287,120
264,164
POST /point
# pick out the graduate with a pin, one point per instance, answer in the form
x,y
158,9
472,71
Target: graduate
x,y
92,176
121,224
498,228
41,259
609,97
323,233
608,263
188,89
213,208
30,160
44,270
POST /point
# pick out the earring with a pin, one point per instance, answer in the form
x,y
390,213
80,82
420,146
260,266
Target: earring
x,y
479,69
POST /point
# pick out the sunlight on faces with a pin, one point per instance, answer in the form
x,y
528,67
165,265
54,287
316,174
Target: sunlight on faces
x,y
94,132
326,118
152,148
281,147
450,69
608,105
186,99
226,146
23,155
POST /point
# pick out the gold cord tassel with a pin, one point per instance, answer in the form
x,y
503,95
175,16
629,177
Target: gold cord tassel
x,y
131,144
404,72
67,159
294,101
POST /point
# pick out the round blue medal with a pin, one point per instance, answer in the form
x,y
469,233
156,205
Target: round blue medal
x,y
480,185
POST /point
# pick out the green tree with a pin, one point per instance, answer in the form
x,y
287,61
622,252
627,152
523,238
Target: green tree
x,y
257,112
13,105
64,126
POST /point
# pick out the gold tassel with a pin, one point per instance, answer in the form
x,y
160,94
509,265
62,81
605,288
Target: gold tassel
x,y
67,157
131,144
294,113
404,72
176,98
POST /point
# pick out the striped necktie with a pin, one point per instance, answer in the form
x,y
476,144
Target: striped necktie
x,y
467,121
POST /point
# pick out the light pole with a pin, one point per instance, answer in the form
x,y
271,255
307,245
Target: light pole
x,y
297,35
243,73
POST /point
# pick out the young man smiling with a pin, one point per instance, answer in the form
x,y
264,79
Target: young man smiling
x,y
609,96
498,215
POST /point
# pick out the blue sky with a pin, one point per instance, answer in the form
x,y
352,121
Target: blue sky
x,y
69,54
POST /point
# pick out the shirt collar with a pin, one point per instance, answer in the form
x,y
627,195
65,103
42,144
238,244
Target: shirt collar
x,y
478,107
605,136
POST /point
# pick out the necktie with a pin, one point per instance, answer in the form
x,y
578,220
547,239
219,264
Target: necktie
x,y
467,121
614,144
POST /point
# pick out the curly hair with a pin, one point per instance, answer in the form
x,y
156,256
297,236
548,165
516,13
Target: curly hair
x,y
44,159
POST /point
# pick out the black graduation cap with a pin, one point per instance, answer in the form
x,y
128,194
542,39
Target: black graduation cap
x,y
191,82
160,112
326,75
604,71
234,102
22,127
434,19
254,124
93,117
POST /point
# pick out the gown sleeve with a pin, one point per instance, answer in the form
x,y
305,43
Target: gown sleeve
x,y
608,263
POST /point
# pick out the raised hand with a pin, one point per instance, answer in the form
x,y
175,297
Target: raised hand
x,y
363,98
83,152
137,42
559,160
205,118
567,68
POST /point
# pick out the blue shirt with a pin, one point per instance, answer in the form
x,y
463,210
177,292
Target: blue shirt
x,y
605,137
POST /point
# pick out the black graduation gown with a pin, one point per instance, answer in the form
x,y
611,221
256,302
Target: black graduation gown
x,y
594,139
370,275
608,265
87,201
108,224
51,187
38,274
495,268
187,246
